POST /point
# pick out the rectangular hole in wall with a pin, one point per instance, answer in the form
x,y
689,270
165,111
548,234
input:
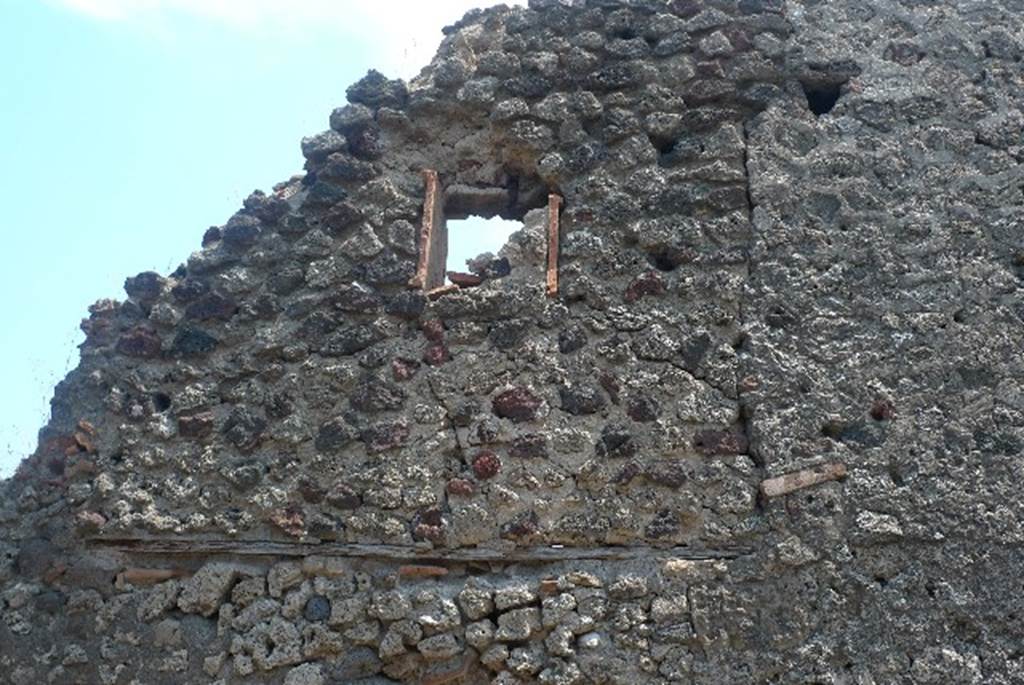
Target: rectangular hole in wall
x,y
473,237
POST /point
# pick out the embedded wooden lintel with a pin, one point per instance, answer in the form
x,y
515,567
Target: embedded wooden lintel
x,y
401,553
433,239
554,206
442,291
798,480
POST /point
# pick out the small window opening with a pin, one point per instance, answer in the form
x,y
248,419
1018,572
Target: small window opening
x,y
477,223
822,97
473,246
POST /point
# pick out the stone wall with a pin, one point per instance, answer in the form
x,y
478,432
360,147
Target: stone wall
x,y
767,431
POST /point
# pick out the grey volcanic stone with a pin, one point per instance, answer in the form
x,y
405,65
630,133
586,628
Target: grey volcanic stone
x,y
204,591
767,428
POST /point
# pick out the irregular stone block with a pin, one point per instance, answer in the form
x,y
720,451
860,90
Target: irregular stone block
x,y
204,591
518,624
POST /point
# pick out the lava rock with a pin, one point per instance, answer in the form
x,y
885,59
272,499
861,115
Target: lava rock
x,y
318,609
193,341
317,148
381,437
334,434
141,341
244,428
486,464
196,425
375,91
212,306
572,339
145,287
720,442
531,446
581,399
517,404
616,442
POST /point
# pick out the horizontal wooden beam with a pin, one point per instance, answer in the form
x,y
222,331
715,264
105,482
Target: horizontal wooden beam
x,y
186,546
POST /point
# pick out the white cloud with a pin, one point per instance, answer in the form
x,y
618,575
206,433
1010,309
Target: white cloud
x,y
406,32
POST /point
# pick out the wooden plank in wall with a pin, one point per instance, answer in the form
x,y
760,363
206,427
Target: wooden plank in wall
x,y
554,207
537,554
433,238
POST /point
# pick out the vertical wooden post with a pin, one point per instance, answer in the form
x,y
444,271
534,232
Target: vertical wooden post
x,y
554,206
431,231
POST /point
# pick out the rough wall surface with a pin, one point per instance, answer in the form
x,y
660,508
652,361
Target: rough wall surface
x,y
770,430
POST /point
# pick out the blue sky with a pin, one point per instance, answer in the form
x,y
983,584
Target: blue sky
x,y
127,127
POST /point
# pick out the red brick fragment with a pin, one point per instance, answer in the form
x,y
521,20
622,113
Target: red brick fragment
x,y
436,355
518,404
648,283
433,330
421,571
486,464
464,280
403,369
460,487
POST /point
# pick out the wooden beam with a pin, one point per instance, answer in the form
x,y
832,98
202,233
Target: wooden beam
x,y
791,482
554,206
433,243
198,547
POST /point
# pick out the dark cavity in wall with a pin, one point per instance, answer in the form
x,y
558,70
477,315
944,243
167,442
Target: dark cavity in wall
x,y
675,151
822,98
161,402
665,258
823,83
